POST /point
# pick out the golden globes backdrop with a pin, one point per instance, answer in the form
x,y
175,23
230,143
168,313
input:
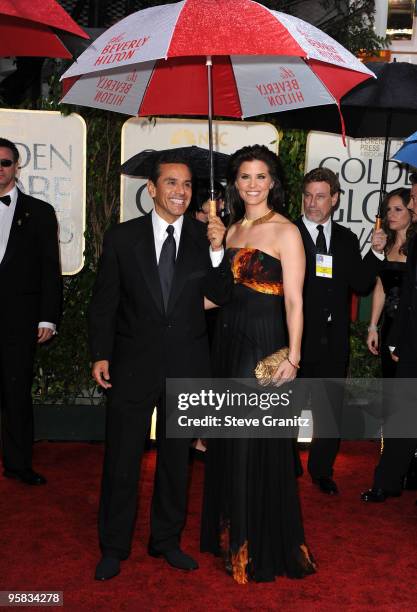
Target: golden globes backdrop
x,y
52,151
139,134
359,168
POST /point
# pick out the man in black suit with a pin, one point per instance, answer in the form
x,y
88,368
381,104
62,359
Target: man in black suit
x,y
398,451
30,281
334,267
147,323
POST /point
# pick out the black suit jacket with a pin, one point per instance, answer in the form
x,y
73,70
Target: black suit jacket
x,y
404,330
324,297
30,274
128,324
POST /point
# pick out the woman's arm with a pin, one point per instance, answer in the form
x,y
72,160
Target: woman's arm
x,y
378,300
293,264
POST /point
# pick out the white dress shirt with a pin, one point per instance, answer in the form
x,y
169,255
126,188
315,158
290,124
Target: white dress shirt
x,y
327,229
160,235
6,220
313,231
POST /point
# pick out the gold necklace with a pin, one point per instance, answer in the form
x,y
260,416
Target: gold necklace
x,y
266,217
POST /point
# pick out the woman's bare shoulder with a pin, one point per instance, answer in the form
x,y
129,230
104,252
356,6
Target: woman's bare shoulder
x,y
281,220
285,227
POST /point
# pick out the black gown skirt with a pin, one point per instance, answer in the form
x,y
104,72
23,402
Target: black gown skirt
x,y
391,275
251,509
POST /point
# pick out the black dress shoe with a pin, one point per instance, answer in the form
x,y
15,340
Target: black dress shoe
x,y
327,485
376,495
28,477
107,568
176,558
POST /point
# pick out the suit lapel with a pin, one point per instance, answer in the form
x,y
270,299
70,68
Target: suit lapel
x,y
146,258
20,218
184,263
309,245
335,245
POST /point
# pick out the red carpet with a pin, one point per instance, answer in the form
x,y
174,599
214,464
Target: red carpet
x,y
367,554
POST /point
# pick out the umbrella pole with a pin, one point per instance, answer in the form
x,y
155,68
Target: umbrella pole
x,y
383,185
209,64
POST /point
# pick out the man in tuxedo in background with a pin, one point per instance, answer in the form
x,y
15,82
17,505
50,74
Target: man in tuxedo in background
x,y
334,268
146,324
398,452
30,281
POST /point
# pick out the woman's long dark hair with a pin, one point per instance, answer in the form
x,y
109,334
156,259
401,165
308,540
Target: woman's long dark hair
x,y
247,154
404,195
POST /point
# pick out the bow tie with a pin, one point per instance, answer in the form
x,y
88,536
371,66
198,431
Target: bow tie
x,y
6,200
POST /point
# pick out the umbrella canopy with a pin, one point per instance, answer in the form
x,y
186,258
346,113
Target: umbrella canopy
x,y
408,152
141,165
153,62
389,101
234,59
384,107
34,28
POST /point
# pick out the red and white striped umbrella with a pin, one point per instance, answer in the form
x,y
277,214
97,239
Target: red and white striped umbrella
x,y
35,28
232,58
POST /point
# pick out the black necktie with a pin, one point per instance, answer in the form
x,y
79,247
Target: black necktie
x,y
321,241
166,264
6,200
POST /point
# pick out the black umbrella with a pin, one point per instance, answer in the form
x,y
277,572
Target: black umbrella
x,y
141,164
382,107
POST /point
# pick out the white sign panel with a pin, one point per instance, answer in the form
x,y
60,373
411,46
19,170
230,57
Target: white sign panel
x,y
139,134
52,151
359,168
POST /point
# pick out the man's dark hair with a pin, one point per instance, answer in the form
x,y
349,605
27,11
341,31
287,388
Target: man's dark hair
x,y
323,175
168,157
8,144
413,178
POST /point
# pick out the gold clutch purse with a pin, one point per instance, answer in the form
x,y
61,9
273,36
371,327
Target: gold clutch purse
x,y
268,365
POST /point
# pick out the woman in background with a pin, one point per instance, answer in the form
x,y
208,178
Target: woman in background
x,y
386,295
397,224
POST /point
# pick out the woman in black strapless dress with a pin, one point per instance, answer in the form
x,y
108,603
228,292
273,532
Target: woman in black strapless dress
x,y
386,296
397,223
251,513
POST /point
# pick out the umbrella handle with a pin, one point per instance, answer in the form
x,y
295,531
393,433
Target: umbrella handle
x,y
378,222
209,64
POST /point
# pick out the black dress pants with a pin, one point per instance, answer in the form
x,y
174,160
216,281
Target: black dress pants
x,y
327,407
127,426
17,353
398,451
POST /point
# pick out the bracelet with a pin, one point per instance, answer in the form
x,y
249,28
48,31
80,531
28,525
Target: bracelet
x,y
293,364
373,328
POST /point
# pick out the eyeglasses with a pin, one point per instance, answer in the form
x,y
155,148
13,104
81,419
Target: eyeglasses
x,y
6,163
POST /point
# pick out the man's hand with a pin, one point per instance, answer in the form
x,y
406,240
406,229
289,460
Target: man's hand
x,y
215,233
379,240
44,334
100,373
